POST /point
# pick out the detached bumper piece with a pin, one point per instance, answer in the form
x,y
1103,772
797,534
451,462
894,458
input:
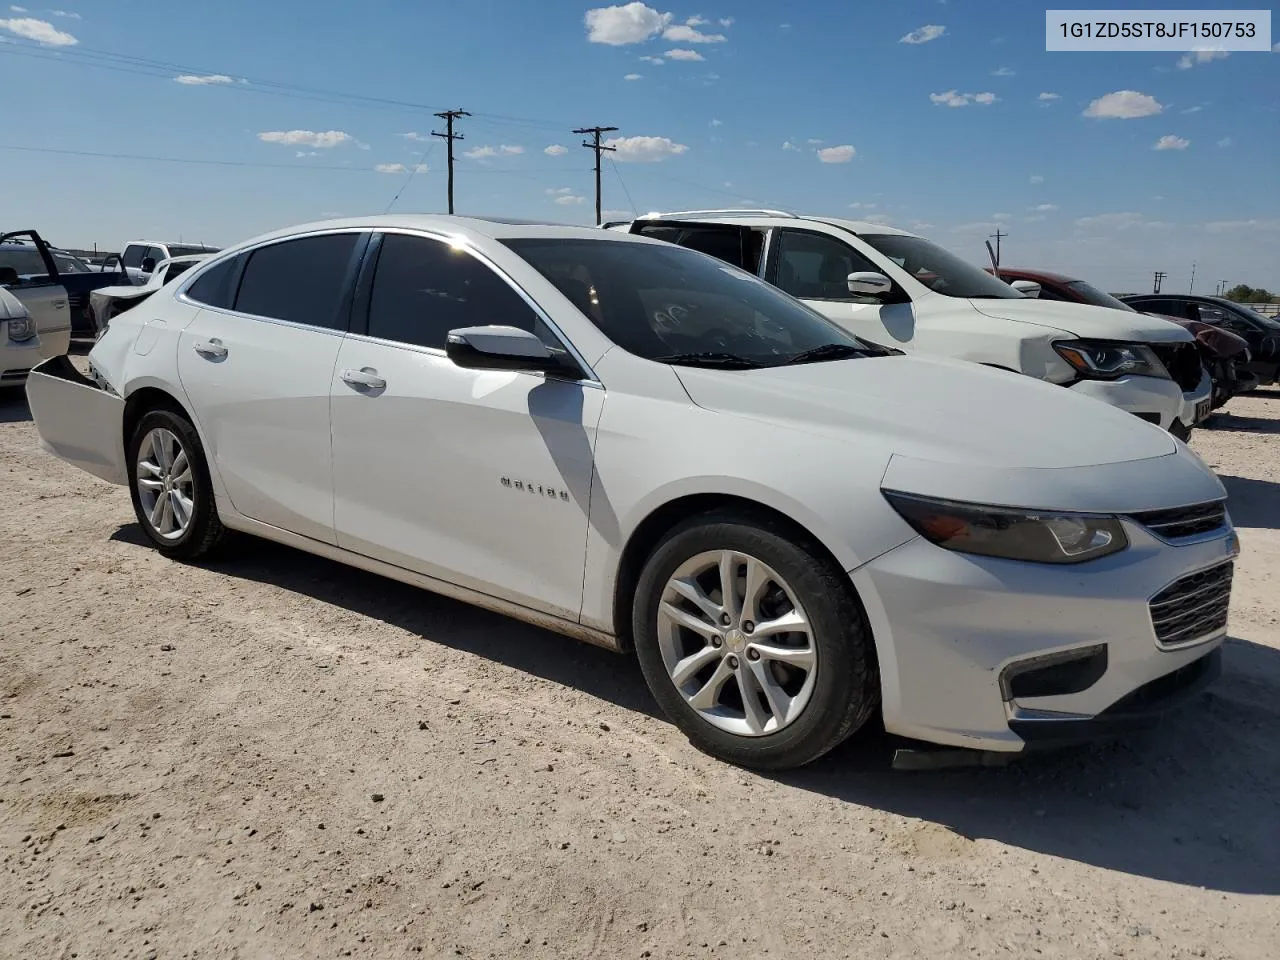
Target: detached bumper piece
x,y
77,420
1142,709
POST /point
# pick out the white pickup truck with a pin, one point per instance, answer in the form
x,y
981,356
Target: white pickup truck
x,y
899,290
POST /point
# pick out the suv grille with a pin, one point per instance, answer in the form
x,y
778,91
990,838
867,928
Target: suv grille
x,y
1192,607
1182,360
1184,521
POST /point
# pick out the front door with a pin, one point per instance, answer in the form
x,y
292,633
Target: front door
x,y
815,267
479,478
257,373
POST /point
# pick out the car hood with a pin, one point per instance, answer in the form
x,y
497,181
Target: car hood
x,y
934,409
1085,320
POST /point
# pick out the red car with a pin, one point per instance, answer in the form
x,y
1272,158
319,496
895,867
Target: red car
x,y
1223,353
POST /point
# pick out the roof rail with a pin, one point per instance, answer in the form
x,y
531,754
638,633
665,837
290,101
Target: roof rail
x,y
730,212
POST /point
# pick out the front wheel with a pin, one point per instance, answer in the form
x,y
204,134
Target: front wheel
x,y
170,486
753,642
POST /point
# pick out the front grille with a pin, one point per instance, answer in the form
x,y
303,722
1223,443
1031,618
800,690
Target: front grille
x,y
1192,607
1184,521
1182,360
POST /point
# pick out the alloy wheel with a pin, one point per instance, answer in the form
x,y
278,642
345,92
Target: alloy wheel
x,y
736,643
165,483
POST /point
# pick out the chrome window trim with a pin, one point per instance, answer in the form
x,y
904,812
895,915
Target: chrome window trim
x,y
453,240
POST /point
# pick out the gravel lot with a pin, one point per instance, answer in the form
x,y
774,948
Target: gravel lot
x,y
274,756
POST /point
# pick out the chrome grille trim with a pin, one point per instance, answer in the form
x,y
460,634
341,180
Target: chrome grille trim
x,y
1192,607
1182,522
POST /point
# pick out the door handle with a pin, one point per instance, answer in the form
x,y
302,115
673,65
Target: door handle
x,y
212,348
364,377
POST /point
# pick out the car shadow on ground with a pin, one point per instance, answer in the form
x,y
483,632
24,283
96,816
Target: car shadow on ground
x,y
1252,503
13,405
1195,802
1225,420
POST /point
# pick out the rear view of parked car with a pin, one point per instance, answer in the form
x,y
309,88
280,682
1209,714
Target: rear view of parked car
x,y
643,447
110,301
900,290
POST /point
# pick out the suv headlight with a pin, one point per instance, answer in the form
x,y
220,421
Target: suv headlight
x,y
1035,536
1110,359
21,328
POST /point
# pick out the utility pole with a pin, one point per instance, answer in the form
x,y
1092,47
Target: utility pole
x,y
1191,289
448,116
997,236
598,147
1159,276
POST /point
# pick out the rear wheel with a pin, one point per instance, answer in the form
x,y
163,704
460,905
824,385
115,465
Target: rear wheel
x,y
753,642
170,486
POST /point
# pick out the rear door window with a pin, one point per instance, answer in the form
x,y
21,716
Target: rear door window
x,y
301,281
214,287
133,255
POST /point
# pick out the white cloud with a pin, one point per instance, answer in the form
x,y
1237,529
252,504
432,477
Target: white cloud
x,y
1001,217
656,61
686,33
1225,142
568,199
1036,178
306,138
924,34
1196,109
1229,226
41,31
307,153
634,76
644,149
482,153
978,226
788,145
1002,72
415,137
1045,207
684,55
555,150
195,80
557,191
1112,221
1170,142
728,22
68,14
1048,97
400,168
1189,60
18,9
1034,218
697,21
1123,105
625,24
717,123
953,98
921,225
841,154
877,218
859,205
814,141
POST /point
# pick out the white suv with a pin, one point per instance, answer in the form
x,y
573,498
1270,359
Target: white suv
x,y
899,290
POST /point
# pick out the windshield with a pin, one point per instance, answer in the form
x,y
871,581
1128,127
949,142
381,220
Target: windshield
x,y
69,264
1091,294
667,303
938,269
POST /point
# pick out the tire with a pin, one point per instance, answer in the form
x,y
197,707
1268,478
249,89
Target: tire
x,y
151,482
820,707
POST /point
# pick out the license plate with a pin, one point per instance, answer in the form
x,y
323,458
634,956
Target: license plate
x,y
1202,409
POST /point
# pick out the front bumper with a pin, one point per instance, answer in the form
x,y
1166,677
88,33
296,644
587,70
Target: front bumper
x,y
1154,399
16,360
952,628
77,420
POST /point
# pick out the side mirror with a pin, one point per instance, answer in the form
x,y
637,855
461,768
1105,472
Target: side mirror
x,y
1028,288
868,283
148,264
501,348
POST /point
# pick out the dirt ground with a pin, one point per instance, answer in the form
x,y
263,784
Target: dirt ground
x,y
274,756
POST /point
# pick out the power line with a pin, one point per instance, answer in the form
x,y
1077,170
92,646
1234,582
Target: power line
x,y
413,169
622,183
448,116
595,145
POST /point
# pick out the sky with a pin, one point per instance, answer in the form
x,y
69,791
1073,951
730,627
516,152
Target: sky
x,y
946,118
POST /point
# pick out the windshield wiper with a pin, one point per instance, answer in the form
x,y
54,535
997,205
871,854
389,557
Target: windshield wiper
x,y
725,361
828,351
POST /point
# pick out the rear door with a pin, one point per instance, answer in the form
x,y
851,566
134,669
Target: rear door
x,y
256,364
29,272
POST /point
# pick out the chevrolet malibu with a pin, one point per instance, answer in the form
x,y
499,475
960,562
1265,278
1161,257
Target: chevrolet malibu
x,y
643,447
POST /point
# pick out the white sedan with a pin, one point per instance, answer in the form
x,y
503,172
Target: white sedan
x,y
643,447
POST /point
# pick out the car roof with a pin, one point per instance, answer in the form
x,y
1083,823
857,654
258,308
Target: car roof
x,y
468,228
747,219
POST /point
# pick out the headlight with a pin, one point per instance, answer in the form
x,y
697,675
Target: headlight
x,y
21,328
1110,359
1031,535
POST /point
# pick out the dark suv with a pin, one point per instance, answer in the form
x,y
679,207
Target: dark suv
x,y
1262,333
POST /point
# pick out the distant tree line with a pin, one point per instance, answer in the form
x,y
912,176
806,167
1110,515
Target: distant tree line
x,y
1243,293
